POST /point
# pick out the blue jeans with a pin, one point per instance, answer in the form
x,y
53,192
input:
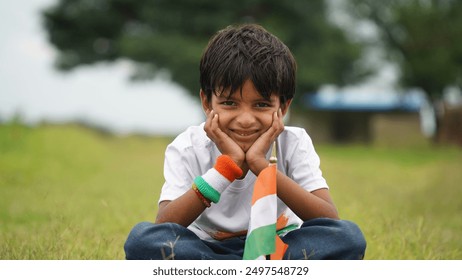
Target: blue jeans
x,y
317,239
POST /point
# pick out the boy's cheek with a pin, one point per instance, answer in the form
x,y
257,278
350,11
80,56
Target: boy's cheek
x,y
223,128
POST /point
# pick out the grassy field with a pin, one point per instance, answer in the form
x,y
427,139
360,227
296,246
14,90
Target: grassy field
x,y
67,192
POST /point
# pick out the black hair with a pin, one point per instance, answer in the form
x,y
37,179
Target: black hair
x,y
239,53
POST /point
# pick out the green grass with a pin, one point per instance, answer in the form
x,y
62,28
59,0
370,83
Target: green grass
x,y
67,192
407,201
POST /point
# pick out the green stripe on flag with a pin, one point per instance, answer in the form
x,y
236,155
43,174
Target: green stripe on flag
x,y
260,242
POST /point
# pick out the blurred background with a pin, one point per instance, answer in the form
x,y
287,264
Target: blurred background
x,y
97,94
92,91
364,67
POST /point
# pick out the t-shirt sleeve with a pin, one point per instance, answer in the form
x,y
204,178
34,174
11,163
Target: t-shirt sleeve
x,y
304,163
177,173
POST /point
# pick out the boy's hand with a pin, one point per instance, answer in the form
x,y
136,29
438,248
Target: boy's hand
x,y
225,144
256,155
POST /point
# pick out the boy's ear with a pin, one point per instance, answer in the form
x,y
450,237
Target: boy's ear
x,y
206,106
285,107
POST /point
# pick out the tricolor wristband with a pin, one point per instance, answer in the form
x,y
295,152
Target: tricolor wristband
x,y
216,179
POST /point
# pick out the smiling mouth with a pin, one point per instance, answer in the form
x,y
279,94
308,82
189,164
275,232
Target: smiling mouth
x,y
244,133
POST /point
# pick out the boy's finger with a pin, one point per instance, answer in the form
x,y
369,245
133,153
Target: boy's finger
x,y
277,121
209,118
218,133
211,125
277,126
214,122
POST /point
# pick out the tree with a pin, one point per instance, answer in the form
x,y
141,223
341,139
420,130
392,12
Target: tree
x,y
422,38
171,34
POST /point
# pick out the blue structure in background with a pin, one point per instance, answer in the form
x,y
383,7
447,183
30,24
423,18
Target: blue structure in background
x,y
338,101
347,116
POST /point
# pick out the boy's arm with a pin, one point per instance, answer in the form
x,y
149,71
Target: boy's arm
x,y
306,205
183,210
205,189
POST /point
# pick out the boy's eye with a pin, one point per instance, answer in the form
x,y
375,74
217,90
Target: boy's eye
x,y
262,105
228,103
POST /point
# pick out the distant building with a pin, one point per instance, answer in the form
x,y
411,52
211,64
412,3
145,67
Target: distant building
x,y
345,117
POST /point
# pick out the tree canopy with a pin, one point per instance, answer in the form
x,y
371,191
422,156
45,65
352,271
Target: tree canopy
x,y
422,37
171,34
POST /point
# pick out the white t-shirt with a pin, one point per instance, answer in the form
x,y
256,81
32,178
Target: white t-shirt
x,y
192,153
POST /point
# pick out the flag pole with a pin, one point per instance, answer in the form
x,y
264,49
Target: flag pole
x,y
273,159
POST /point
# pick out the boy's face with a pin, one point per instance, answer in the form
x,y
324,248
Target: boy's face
x,y
244,117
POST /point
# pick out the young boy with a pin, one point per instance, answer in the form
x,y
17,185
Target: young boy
x,y
247,79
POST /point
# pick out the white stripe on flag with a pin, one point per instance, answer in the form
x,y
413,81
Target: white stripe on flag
x,y
264,212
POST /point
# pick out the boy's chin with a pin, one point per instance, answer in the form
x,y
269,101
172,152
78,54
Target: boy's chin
x,y
245,146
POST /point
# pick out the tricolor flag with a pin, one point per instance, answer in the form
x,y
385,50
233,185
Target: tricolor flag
x,y
262,239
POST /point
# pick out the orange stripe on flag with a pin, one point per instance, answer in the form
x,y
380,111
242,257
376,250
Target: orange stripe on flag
x,y
281,248
282,222
265,184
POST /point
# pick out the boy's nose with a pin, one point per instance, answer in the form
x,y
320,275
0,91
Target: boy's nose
x,y
245,119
